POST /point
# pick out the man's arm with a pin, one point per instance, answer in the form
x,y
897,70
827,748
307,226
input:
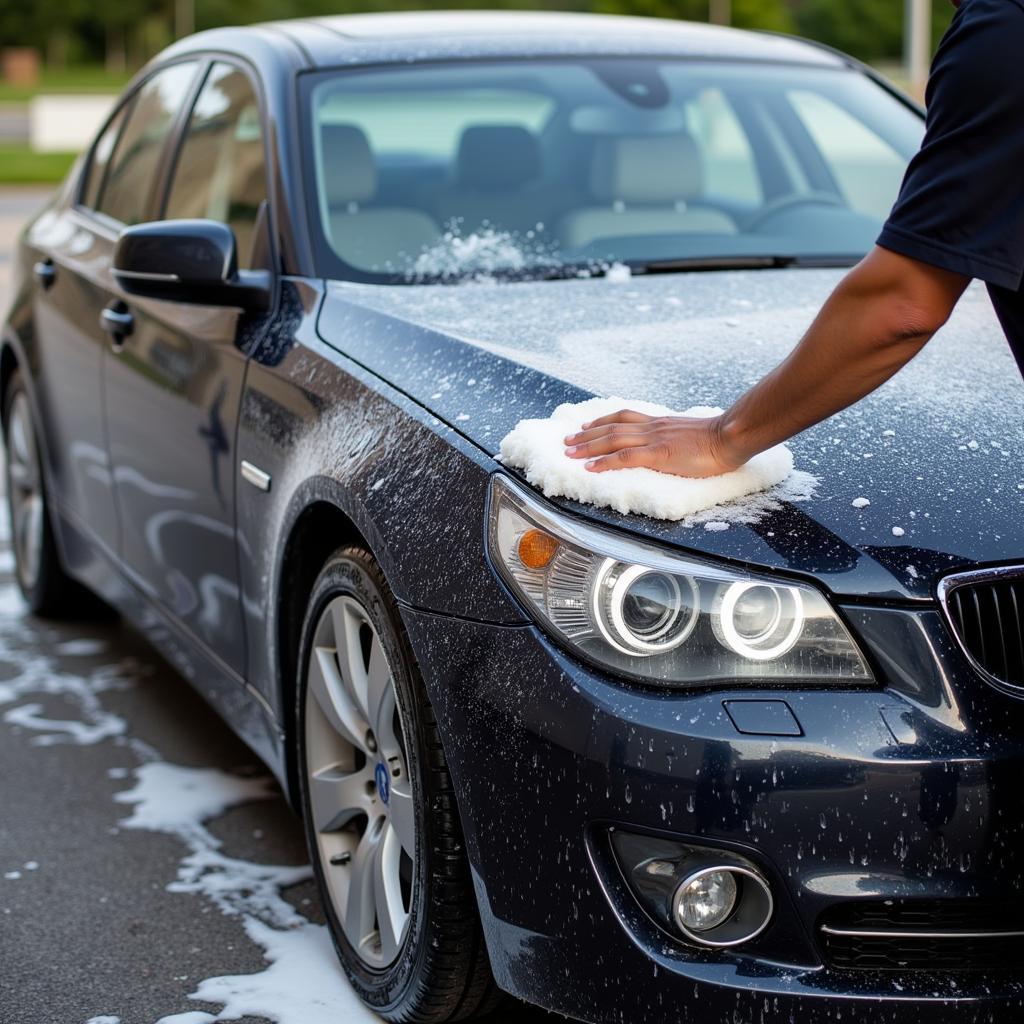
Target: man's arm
x,y
878,318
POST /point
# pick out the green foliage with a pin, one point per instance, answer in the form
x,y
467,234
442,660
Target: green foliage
x,y
89,79
19,165
134,29
868,29
771,15
759,14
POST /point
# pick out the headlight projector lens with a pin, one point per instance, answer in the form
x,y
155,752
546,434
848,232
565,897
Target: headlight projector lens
x,y
643,611
759,621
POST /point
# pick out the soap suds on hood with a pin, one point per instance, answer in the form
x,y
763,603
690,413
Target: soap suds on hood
x,y
483,254
537,446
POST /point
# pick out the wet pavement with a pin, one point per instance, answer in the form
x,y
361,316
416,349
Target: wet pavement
x,y
89,928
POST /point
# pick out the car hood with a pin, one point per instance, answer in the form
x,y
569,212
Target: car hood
x,y
938,451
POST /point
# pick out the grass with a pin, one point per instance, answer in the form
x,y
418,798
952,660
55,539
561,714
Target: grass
x,y
75,80
20,165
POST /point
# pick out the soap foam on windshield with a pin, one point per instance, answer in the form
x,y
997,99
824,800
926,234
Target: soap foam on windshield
x,y
537,447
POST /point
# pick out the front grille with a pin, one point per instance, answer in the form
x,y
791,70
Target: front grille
x,y
923,935
986,612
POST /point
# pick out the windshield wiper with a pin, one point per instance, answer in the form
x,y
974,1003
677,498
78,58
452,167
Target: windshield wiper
x,y
583,271
692,263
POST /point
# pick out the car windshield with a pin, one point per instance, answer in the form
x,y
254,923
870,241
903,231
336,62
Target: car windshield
x,y
548,168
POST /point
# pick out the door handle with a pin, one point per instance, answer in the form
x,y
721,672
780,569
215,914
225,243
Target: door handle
x,y
118,323
45,273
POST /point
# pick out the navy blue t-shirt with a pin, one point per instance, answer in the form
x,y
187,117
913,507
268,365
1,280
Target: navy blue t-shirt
x,y
961,207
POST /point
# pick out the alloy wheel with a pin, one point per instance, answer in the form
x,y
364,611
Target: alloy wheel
x,y
360,789
26,491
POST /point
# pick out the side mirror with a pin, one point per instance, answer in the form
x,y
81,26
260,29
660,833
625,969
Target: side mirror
x,y
188,261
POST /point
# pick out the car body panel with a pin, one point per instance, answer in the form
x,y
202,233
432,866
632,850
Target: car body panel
x,y
71,348
388,404
933,449
550,755
440,35
172,397
327,430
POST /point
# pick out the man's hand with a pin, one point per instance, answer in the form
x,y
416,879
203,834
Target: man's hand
x,y
878,318
671,444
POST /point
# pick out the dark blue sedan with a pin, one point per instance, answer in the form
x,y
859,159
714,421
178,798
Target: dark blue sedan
x,y
760,765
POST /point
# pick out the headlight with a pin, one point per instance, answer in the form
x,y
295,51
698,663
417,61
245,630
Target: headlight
x,y
665,619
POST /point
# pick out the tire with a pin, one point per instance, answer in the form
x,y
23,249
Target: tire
x,y
378,803
47,589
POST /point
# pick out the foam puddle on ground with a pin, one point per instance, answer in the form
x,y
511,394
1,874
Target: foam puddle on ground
x,y
30,716
302,983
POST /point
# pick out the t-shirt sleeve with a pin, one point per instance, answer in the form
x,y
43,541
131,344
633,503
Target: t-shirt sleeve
x,y
961,206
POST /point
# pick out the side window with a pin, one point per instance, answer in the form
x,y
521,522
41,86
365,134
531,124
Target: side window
x,y
100,158
221,173
136,159
868,170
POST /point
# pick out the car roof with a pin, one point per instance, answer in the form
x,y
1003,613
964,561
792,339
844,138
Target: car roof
x,y
434,35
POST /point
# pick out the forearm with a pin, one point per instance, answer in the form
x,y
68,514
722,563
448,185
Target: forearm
x,y
878,318
875,322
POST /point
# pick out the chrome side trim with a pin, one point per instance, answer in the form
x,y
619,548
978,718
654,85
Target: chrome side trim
x,y
858,933
263,703
255,476
948,584
145,275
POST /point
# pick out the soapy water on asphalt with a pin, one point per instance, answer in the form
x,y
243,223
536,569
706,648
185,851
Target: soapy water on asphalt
x,y
537,447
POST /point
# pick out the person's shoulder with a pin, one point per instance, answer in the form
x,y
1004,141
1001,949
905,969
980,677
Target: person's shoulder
x,y
995,27
973,13
1008,9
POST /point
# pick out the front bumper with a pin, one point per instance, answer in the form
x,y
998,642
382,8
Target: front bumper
x,y
907,792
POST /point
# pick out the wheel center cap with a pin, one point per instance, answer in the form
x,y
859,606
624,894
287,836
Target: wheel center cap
x,y
383,783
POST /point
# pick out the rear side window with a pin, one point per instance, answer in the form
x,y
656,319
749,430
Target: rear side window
x,y
220,174
100,158
136,158
430,123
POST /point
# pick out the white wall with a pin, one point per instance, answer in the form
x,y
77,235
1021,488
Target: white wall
x,y
66,123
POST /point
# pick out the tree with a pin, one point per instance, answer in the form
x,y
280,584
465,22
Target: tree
x,y
868,29
131,30
761,14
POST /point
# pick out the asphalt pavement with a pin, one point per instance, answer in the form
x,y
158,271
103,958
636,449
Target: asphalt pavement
x,y
14,122
136,867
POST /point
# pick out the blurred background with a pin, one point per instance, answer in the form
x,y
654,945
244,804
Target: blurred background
x,y
61,65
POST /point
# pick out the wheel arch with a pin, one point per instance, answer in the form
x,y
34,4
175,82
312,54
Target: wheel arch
x,y
316,532
8,364
14,358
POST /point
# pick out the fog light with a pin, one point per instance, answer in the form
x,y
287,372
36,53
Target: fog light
x,y
709,897
705,900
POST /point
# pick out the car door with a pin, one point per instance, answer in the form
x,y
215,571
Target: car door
x,y
174,381
73,244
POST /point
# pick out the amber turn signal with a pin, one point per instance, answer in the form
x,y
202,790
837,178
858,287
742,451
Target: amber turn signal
x,y
536,549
